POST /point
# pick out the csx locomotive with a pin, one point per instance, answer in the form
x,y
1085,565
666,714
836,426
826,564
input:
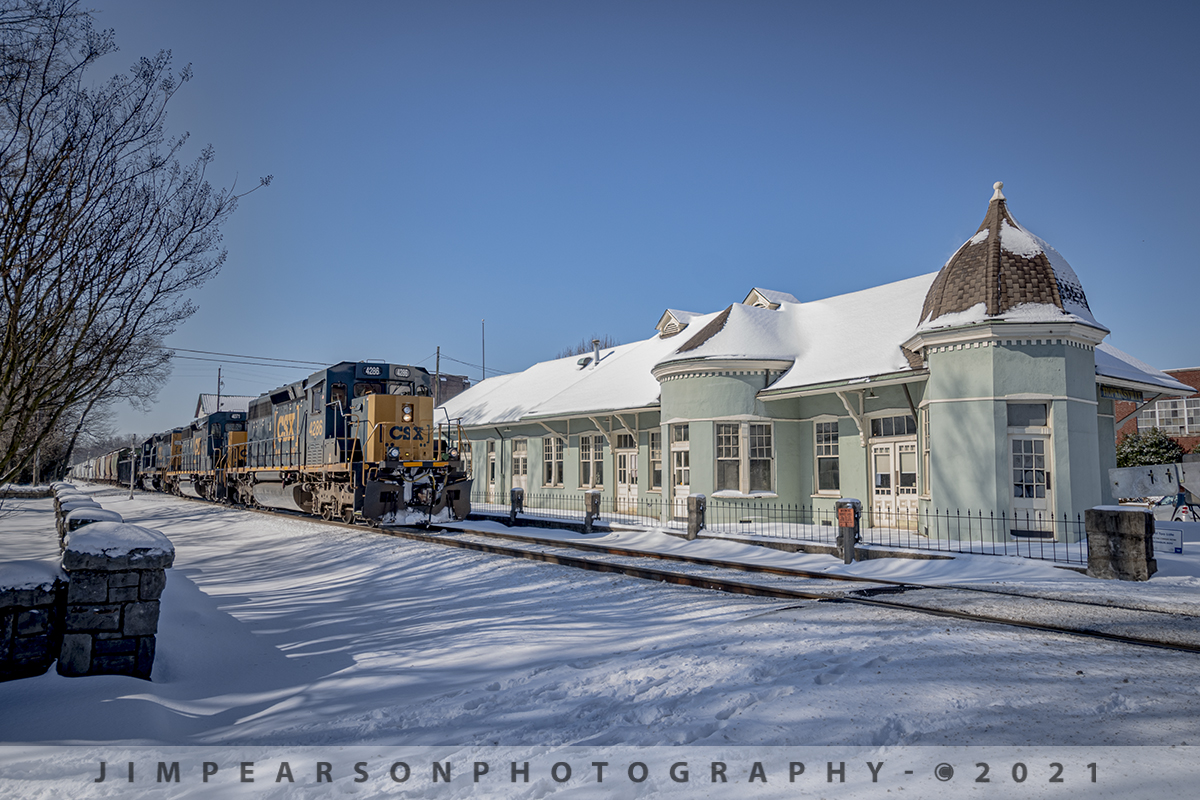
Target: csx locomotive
x,y
352,441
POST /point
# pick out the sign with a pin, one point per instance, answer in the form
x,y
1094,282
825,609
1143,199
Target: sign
x,y
1117,393
1168,540
845,517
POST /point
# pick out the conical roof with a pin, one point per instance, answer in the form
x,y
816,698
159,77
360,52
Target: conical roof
x,y
1004,272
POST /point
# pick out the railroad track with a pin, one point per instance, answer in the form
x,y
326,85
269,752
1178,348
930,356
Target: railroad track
x,y
1141,626
1150,627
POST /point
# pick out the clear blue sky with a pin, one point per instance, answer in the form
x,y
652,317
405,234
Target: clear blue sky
x,y
565,169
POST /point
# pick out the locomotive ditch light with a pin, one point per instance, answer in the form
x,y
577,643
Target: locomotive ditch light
x,y
408,412
393,453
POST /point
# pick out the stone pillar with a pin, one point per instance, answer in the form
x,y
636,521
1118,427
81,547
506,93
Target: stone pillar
x,y
1120,543
28,618
116,573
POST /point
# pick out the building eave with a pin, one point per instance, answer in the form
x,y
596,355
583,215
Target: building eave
x,y
829,387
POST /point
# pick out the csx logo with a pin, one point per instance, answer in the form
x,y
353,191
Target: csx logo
x,y
408,433
286,426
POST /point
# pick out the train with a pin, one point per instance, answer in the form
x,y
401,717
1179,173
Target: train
x,y
356,441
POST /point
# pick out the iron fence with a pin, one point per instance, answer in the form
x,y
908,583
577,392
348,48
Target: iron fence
x,y
1052,538
1032,535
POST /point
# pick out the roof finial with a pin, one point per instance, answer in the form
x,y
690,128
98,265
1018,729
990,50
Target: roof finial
x,y
999,195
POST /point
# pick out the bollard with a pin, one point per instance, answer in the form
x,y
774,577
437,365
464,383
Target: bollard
x,y
591,504
849,515
1120,543
516,504
697,505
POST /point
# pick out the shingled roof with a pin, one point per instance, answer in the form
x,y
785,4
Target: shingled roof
x,y
1001,268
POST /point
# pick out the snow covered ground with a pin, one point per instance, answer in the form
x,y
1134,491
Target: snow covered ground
x,y
284,641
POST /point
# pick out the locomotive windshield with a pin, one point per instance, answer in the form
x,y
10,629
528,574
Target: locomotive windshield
x,y
364,388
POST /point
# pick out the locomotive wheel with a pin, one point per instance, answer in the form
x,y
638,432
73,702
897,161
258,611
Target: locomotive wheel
x,y
327,513
348,514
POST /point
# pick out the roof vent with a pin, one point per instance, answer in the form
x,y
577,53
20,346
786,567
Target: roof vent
x,y
583,362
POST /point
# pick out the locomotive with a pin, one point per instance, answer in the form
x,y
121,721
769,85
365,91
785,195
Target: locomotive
x,y
356,440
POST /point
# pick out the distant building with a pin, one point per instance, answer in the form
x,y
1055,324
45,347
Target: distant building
x,y
1177,417
207,404
985,386
451,386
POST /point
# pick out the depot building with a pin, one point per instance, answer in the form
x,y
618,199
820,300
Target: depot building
x,y
984,387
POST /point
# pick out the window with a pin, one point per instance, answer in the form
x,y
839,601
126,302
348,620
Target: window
x,y
744,457
625,442
679,433
761,458
656,459
552,461
893,426
1026,415
491,461
826,447
728,460
591,461
520,458
1172,417
318,396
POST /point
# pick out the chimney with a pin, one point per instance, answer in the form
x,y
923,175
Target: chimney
x,y
595,352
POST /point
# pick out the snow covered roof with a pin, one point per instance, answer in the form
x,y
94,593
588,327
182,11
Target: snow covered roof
x,y
1004,272
621,379
1124,368
207,404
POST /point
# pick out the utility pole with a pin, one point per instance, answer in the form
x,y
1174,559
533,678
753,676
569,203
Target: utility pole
x,y
437,381
218,388
483,348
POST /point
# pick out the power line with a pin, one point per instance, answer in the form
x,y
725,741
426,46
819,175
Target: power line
x,y
476,366
235,355
245,363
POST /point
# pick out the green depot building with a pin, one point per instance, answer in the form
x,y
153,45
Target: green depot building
x,y
982,389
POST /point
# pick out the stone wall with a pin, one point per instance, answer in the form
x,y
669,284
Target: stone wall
x,y
97,613
30,619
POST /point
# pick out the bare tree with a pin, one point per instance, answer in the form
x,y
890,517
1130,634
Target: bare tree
x,y
585,346
103,230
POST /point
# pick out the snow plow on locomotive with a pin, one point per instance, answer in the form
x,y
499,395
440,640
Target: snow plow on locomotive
x,y
354,441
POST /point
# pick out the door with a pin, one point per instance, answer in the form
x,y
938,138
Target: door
x,y
520,464
894,484
1032,504
681,469
627,481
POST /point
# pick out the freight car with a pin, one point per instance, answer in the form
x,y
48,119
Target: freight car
x,y
356,440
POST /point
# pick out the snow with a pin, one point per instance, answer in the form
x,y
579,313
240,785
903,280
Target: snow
x,y
1114,363
978,238
118,538
281,639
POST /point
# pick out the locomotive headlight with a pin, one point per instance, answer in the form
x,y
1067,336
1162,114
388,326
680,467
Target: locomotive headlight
x,y
393,453
408,412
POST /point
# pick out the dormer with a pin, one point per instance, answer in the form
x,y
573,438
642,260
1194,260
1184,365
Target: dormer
x,y
672,322
768,298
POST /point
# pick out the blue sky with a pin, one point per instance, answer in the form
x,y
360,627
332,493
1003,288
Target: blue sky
x,y
564,169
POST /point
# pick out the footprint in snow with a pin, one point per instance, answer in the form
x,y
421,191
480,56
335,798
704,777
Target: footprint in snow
x,y
832,675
